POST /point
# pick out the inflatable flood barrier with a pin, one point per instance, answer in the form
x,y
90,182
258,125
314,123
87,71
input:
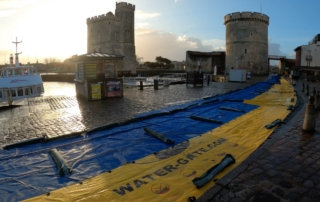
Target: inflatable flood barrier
x,y
155,178
151,177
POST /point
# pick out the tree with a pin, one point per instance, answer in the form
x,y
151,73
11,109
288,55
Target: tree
x,y
161,62
160,59
139,60
49,61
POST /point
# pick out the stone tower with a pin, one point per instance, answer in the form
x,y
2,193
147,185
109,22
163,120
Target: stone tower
x,y
247,41
114,34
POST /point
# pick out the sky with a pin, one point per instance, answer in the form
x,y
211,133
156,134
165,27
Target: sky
x,y
167,28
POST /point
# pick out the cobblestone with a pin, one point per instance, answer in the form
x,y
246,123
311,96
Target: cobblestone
x,y
290,167
308,184
292,159
62,115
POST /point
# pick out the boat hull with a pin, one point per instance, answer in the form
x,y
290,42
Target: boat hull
x,y
19,87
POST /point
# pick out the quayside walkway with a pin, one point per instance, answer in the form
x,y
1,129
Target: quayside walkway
x,y
285,168
61,115
121,162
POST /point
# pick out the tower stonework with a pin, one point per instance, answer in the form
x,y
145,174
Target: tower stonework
x,y
114,34
247,42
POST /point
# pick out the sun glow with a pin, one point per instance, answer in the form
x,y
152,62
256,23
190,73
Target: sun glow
x,y
51,28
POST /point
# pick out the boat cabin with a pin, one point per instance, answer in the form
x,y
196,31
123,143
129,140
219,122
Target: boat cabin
x,y
20,82
18,71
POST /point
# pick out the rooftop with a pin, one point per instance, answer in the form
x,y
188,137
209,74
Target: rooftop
x,y
96,56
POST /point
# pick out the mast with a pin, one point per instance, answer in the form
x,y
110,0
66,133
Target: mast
x,y
17,54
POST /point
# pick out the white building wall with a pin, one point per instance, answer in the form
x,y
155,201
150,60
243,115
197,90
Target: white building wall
x,y
314,53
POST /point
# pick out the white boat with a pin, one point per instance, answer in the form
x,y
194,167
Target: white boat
x,y
18,81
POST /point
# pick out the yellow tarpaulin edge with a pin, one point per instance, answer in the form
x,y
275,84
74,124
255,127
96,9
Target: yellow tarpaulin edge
x,y
153,179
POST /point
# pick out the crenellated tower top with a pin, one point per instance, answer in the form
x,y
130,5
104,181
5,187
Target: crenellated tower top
x,y
246,16
125,5
109,16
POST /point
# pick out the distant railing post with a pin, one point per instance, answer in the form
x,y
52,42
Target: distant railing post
x,y
155,82
9,96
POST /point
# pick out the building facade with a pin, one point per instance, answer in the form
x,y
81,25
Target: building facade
x,y
247,42
206,60
114,34
309,55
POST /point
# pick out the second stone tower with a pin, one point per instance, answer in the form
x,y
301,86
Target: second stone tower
x,y
247,42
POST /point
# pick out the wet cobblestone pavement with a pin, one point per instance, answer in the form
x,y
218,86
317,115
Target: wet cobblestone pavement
x,y
60,115
286,167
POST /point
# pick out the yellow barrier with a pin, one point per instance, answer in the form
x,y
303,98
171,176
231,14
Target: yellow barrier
x,y
153,179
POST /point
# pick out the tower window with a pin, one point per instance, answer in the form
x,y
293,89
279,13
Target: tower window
x,y
251,34
245,50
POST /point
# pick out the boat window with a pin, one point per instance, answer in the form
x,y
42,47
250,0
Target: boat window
x,y
39,89
25,71
4,73
20,91
18,72
31,71
26,91
34,71
0,93
31,91
10,73
13,93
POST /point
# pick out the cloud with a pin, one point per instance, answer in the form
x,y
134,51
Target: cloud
x,y
142,24
151,43
143,31
292,55
142,15
274,49
217,44
5,13
9,7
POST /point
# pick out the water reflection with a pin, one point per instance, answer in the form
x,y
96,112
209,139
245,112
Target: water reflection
x,y
59,88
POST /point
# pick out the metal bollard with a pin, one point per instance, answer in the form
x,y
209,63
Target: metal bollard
x,y
166,83
141,85
307,90
302,89
309,116
317,101
155,84
314,92
9,96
